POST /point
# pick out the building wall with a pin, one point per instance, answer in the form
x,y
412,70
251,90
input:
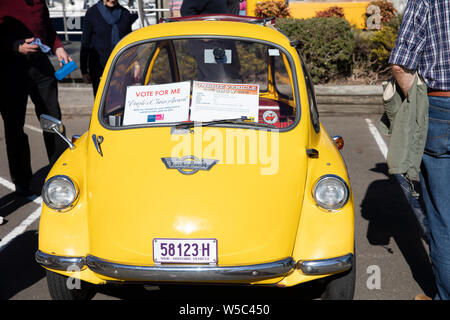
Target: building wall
x,y
354,10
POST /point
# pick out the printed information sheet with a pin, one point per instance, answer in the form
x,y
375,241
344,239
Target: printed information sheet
x,y
157,103
216,101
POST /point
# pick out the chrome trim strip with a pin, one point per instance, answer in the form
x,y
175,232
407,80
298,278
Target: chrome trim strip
x,y
190,273
326,266
59,262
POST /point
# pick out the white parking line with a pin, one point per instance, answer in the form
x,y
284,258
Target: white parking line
x,y
7,184
17,231
20,229
378,138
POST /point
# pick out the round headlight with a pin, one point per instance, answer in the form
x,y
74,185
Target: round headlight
x,y
59,192
331,192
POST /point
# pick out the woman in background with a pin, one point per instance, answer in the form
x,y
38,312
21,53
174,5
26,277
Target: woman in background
x,y
242,7
105,24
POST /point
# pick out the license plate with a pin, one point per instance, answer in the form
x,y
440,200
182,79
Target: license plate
x,y
184,250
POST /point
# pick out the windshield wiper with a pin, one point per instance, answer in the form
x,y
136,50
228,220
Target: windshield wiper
x,y
191,124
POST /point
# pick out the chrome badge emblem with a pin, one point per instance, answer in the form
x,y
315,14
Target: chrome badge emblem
x,y
188,164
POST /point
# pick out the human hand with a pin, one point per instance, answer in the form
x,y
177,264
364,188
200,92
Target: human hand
x,y
62,55
404,77
86,78
25,47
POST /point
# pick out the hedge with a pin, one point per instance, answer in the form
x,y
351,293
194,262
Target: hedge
x,y
333,50
328,45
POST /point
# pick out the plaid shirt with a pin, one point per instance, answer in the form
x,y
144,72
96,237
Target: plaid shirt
x,y
423,42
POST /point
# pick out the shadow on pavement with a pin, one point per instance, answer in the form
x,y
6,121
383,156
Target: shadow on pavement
x,y
211,293
38,179
390,216
18,268
13,201
10,203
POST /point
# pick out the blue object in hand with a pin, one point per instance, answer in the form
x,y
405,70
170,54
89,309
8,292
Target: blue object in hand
x,y
43,47
65,70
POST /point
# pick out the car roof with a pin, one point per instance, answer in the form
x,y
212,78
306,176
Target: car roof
x,y
221,17
210,25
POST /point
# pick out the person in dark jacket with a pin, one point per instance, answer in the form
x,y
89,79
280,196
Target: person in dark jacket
x,y
233,6
218,72
105,24
195,7
26,71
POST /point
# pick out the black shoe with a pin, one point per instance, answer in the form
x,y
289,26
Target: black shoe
x,y
24,191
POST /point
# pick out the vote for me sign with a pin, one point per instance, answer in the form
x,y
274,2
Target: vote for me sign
x,y
157,103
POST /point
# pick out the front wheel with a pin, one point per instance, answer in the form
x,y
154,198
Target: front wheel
x,y
65,288
340,286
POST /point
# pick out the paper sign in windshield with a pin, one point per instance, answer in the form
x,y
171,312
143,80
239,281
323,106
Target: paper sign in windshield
x,y
157,103
217,101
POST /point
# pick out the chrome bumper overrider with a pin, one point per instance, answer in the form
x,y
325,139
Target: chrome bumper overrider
x,y
195,273
60,263
326,266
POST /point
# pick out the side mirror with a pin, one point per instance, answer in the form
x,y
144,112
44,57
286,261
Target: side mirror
x,y
51,124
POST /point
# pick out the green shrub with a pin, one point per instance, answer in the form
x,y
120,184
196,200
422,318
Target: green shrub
x,y
328,45
383,41
372,51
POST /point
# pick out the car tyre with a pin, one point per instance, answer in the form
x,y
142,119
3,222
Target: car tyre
x,y
59,290
340,286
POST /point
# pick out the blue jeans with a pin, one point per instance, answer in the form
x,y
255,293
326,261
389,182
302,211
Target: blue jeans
x,y
435,185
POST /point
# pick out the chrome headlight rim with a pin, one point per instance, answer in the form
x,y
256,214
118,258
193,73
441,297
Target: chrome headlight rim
x,y
49,203
339,205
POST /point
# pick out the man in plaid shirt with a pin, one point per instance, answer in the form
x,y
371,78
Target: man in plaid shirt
x,y
423,45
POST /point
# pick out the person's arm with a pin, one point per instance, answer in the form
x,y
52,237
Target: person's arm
x,y
410,43
86,37
84,56
130,22
404,78
56,44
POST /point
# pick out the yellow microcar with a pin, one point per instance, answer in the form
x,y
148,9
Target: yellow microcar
x,y
205,162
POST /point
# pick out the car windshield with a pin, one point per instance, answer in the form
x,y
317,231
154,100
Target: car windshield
x,y
190,80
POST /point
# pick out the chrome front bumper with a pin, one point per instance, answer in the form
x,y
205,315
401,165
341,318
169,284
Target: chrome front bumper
x,y
167,272
190,273
186,273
